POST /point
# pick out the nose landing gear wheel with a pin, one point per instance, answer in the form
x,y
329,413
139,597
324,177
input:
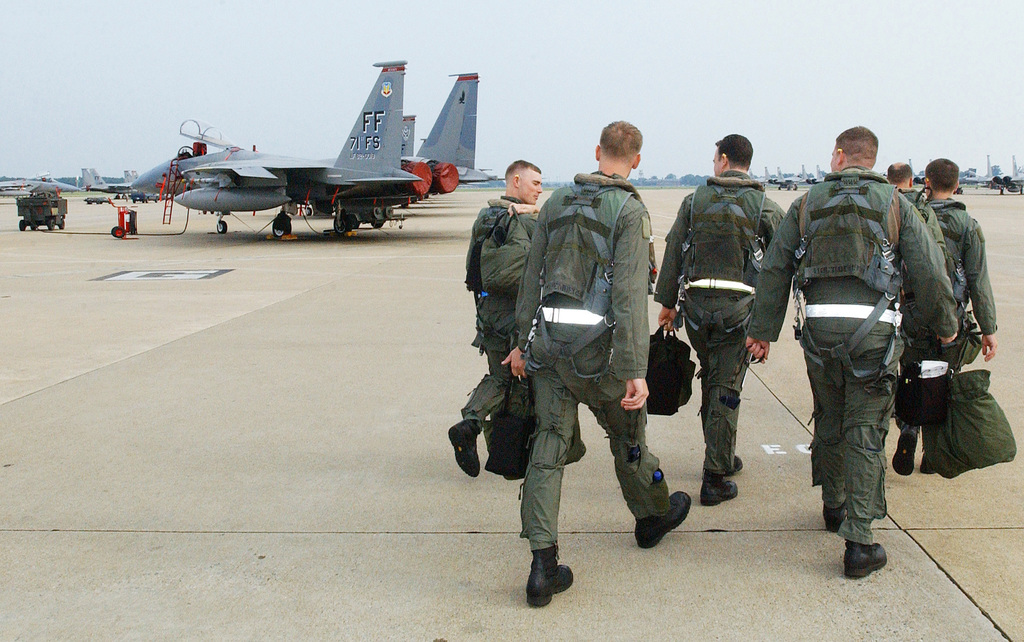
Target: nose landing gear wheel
x,y
282,225
222,227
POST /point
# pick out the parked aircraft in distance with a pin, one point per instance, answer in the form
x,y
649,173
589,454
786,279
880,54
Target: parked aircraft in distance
x,y
779,180
41,184
1012,183
450,148
93,182
363,185
988,180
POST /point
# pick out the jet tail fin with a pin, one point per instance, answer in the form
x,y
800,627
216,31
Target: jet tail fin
x,y
91,178
408,135
375,143
453,136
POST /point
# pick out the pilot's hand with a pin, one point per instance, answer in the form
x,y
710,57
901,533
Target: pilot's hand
x,y
522,208
666,318
516,361
636,394
988,346
758,349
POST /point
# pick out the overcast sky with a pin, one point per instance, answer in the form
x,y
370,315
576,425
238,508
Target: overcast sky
x,y
106,84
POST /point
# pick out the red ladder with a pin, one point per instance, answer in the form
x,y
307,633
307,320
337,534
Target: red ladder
x,y
169,188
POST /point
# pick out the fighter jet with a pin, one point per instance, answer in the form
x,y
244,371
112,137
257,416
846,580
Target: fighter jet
x,y
450,149
783,182
362,185
93,182
988,180
1012,183
41,184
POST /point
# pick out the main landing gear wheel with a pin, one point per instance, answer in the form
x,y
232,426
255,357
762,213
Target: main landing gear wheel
x,y
222,227
282,225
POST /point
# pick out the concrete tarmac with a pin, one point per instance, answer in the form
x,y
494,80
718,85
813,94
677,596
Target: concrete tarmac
x,y
263,454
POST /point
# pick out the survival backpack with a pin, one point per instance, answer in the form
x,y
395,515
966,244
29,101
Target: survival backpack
x,y
503,255
489,218
579,264
849,226
723,244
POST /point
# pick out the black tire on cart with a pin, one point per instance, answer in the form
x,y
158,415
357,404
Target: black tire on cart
x,y
117,232
22,225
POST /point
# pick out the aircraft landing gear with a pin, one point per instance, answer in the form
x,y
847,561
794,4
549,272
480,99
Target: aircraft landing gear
x,y
344,223
222,226
282,225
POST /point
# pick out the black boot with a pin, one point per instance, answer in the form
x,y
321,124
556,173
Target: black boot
x,y
547,577
650,530
903,458
463,438
862,559
834,517
716,489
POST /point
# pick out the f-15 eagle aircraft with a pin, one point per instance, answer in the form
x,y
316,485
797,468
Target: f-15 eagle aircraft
x,y
363,185
41,184
93,182
450,149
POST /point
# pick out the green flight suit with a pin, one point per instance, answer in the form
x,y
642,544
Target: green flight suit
x,y
716,321
561,384
851,412
495,337
964,247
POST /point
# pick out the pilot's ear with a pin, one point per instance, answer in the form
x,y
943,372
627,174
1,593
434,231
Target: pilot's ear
x,y
636,161
597,153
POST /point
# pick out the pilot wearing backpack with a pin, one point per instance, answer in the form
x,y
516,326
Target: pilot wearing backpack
x,y
713,255
498,246
584,338
845,248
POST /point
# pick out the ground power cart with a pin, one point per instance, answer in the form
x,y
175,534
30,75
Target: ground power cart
x,y
36,211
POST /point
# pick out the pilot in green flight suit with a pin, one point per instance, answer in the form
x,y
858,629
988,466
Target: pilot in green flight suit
x,y
847,246
713,254
583,328
967,268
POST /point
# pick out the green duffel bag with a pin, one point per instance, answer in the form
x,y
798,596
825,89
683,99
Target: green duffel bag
x,y
975,434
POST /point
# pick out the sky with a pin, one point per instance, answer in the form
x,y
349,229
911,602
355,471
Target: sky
x,y
106,84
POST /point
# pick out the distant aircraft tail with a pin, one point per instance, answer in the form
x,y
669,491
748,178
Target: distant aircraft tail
x,y
1015,174
375,144
767,176
988,166
130,175
453,137
91,179
408,135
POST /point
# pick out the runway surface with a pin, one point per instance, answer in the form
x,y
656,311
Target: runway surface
x,y
262,453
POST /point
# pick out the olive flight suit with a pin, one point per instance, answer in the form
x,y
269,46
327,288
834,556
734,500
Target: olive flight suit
x,y
563,258
495,337
853,390
716,309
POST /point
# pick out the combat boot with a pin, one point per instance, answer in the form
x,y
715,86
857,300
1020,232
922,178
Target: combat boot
x,y
716,489
547,577
463,438
650,530
862,559
926,468
834,517
903,458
